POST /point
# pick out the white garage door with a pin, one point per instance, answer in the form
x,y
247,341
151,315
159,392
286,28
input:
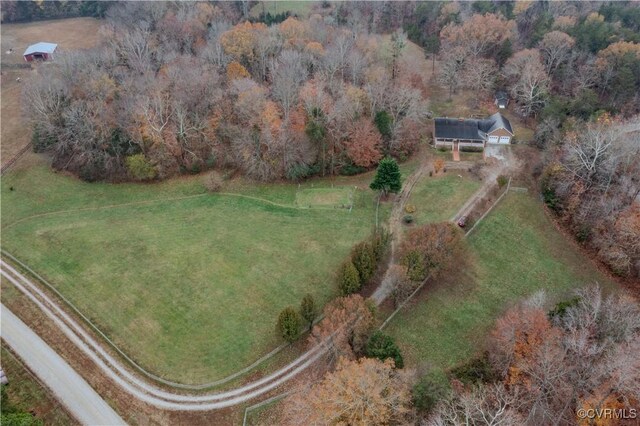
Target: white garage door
x,y
493,139
504,139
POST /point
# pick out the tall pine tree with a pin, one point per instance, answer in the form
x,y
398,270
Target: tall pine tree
x,y
387,177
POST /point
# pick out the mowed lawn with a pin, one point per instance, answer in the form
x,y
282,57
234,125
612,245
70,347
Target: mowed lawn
x,y
188,283
515,252
439,197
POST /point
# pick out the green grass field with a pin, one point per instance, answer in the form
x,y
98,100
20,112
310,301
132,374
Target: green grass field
x,y
187,283
300,8
324,197
515,252
438,198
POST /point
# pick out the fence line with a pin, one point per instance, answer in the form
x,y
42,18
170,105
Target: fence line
x,y
15,158
489,209
262,404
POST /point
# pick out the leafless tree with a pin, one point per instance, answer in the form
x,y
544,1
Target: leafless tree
x,y
288,75
555,48
452,65
529,80
486,405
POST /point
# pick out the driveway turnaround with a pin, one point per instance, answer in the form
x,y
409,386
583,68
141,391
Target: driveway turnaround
x,y
70,389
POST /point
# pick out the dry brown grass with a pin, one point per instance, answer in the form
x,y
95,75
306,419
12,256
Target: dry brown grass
x,y
76,33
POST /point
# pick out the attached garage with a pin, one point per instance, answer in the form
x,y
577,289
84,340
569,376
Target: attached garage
x,y
493,139
505,139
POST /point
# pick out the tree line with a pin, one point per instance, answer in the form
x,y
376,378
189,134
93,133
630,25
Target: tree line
x,y
178,88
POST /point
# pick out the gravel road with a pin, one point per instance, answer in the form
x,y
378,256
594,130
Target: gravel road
x,y
70,389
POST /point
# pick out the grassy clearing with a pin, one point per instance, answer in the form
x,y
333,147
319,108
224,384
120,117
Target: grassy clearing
x,y
188,283
439,197
299,8
515,252
324,197
76,33
26,394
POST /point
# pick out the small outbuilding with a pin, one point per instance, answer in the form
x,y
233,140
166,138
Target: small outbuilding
x,y
502,99
40,51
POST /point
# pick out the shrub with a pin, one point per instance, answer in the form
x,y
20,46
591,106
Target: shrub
x,y
308,310
561,308
140,168
301,171
213,182
289,324
383,122
427,392
195,168
476,371
379,243
415,263
352,169
438,164
471,149
364,260
410,208
403,287
407,219
348,278
502,180
382,346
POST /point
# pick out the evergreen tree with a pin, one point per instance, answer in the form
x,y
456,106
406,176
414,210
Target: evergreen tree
x,y
308,310
382,347
387,177
383,123
289,324
364,260
348,278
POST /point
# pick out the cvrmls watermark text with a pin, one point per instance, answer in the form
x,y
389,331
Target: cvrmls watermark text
x,y
607,413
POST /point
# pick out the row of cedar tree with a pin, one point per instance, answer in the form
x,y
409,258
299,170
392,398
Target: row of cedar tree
x,y
176,87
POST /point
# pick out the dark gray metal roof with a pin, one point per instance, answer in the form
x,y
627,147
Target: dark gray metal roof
x,y
502,95
453,128
474,129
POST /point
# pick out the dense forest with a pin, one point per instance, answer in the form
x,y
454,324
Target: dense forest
x,y
177,87
25,11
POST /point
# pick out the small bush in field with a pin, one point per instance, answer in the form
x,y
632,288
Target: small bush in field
x,y
408,219
213,182
410,208
502,180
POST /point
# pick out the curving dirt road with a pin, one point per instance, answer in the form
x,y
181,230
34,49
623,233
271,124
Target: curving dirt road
x,y
141,389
